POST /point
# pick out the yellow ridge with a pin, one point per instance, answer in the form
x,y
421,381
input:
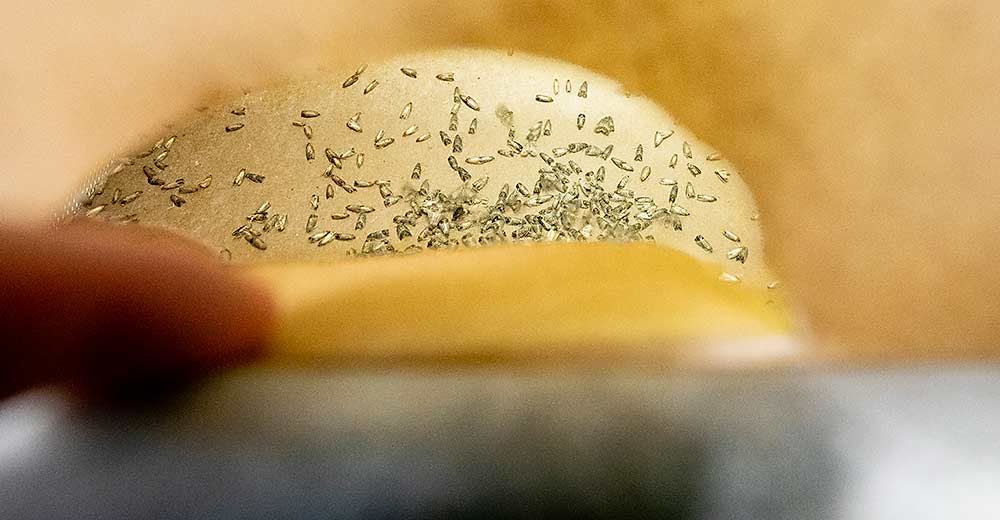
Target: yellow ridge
x,y
515,304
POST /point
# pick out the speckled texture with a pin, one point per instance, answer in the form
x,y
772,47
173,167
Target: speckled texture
x,y
270,145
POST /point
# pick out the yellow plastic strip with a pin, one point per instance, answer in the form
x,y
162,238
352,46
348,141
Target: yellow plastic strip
x,y
516,304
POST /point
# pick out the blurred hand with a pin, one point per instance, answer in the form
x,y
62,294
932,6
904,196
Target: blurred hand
x,y
97,306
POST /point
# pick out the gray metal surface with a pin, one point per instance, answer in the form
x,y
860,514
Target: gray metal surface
x,y
297,444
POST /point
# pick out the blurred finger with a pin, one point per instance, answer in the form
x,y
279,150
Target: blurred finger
x,y
96,305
